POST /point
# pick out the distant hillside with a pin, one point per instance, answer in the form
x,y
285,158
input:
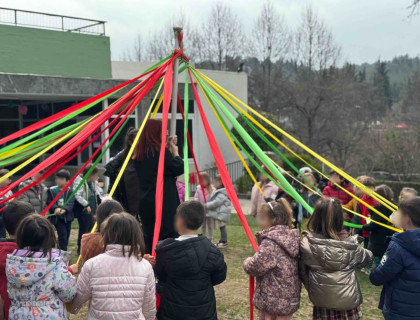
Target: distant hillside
x,y
399,70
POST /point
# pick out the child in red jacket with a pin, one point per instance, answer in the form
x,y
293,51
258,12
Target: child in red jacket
x,y
12,215
333,191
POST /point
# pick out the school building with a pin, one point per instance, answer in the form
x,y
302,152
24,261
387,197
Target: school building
x,y
49,62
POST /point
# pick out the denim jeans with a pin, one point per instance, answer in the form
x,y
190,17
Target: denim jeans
x,y
63,230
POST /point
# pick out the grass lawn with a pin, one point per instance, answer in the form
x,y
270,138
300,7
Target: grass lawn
x,y
232,295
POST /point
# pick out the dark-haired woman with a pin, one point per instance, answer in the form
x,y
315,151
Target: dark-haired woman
x,y
146,164
328,262
127,189
39,282
119,282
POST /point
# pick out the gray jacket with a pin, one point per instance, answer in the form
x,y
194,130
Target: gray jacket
x,y
219,205
327,269
31,196
81,194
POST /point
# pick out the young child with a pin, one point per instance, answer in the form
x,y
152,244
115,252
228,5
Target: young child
x,y
332,191
13,214
37,194
378,234
328,262
207,227
63,215
92,243
187,268
399,271
180,186
219,208
38,280
405,194
275,265
4,184
87,200
354,204
119,282
270,192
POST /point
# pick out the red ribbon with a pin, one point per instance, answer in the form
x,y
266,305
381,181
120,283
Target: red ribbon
x,y
227,182
167,90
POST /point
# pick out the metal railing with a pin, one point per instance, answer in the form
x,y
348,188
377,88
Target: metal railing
x,y
42,20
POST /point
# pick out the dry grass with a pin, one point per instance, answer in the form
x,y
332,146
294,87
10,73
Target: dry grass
x,y
232,295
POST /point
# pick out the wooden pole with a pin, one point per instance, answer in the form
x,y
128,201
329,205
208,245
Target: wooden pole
x,y
174,105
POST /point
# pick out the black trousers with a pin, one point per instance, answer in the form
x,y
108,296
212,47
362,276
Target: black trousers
x,y
63,230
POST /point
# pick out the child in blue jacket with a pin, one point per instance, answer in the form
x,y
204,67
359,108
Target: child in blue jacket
x,y
399,271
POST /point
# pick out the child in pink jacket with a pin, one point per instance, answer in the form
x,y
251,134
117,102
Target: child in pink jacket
x,y
203,198
269,189
119,282
277,294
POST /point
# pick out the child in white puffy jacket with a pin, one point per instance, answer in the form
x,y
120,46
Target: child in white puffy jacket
x,y
219,208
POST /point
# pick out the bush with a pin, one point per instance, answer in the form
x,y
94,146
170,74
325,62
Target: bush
x,y
299,163
244,184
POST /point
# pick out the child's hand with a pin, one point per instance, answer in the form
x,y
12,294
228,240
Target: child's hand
x,y
151,259
88,209
74,268
62,211
57,211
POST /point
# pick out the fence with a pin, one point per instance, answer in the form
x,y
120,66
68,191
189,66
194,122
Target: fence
x,y
51,21
236,170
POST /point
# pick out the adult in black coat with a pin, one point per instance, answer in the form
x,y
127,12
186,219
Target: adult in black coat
x,y
187,271
379,234
127,189
146,164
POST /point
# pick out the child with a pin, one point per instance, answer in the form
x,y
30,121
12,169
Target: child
x,y
354,204
37,194
188,267
119,282
378,234
310,195
38,280
180,186
270,192
328,259
208,190
332,191
87,200
218,208
399,271
275,265
13,214
405,194
4,184
92,243
63,216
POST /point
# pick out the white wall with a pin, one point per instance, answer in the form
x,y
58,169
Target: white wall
x,y
236,83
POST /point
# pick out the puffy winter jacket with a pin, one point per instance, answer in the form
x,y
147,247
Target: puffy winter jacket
x,y
187,271
199,194
276,267
81,194
328,272
118,286
7,246
38,201
333,191
270,192
399,273
39,287
219,205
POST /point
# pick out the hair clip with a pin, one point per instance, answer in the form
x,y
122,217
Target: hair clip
x,y
271,206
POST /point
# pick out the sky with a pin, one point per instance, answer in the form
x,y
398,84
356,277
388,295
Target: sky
x,y
366,29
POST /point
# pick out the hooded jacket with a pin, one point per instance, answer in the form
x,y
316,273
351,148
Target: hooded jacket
x,y
219,205
81,195
335,192
31,195
327,269
199,194
119,287
7,246
276,267
270,192
399,273
187,271
39,287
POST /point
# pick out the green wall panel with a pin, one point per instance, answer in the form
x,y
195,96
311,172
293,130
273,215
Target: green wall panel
x,y
47,52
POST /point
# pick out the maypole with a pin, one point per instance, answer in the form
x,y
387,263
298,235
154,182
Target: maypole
x,y
178,45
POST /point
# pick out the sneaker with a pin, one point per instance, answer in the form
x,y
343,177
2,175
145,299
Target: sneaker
x,y
222,244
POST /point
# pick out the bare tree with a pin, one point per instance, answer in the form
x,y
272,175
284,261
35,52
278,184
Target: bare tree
x,y
222,36
270,41
314,52
414,8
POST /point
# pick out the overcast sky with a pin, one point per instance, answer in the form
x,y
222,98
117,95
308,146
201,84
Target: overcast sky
x,y
366,29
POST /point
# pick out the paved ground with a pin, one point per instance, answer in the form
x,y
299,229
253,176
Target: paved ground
x,y
245,204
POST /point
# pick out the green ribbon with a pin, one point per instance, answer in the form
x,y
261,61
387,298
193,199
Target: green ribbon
x,y
185,147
